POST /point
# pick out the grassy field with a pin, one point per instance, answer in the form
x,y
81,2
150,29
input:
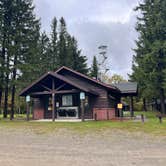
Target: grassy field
x,y
151,126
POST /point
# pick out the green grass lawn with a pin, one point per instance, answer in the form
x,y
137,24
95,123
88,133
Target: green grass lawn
x,y
151,126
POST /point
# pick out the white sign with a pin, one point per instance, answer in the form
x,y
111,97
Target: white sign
x,y
82,95
57,104
28,99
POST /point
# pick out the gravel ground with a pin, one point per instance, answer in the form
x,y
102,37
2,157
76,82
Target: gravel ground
x,y
68,148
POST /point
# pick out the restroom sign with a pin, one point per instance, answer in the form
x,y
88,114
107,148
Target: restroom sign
x,y
82,95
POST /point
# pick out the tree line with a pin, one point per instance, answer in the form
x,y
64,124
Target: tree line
x,y
149,62
26,52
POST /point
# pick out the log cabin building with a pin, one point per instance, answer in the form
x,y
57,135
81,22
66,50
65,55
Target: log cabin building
x,y
56,95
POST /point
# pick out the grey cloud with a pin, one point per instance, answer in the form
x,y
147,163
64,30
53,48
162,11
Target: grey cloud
x,y
119,38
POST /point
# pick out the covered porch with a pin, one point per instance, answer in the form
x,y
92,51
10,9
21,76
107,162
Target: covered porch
x,y
58,105
129,90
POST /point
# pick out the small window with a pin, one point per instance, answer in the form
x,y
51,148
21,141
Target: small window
x,y
67,100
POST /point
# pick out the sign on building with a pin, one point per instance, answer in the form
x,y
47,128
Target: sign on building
x,y
120,106
82,95
28,99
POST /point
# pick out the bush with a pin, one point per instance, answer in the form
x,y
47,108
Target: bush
x,y
138,106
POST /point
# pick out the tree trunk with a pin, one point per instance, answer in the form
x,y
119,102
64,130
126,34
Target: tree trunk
x,y
2,72
12,102
13,90
131,107
162,101
0,100
5,112
6,88
144,105
156,105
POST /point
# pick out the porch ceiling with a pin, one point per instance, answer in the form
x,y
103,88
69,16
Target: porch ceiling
x,y
56,92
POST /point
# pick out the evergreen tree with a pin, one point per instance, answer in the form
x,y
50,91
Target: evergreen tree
x,y
18,28
30,67
68,53
62,49
94,68
6,48
46,56
1,55
149,64
25,27
54,48
77,61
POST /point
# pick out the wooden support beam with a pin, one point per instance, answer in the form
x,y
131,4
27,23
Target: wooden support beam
x,y
61,86
55,92
131,107
53,100
82,111
45,87
27,108
67,91
41,93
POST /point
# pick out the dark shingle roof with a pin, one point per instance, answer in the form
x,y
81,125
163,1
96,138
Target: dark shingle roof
x,y
127,87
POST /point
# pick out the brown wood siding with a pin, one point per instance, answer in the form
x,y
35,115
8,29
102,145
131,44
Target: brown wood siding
x,y
102,101
85,83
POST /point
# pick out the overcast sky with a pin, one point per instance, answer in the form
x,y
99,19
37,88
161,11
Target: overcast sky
x,y
96,22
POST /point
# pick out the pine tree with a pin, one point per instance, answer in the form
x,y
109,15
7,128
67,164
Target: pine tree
x,y
94,68
2,52
68,53
54,48
150,61
19,27
62,49
46,56
77,61
30,67
6,48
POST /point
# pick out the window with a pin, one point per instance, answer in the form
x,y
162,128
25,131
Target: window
x,y
50,104
67,100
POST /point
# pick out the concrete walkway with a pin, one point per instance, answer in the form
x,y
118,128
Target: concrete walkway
x,y
61,120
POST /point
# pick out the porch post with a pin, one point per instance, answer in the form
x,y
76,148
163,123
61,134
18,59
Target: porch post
x,y
131,107
27,107
27,112
53,100
82,111
82,98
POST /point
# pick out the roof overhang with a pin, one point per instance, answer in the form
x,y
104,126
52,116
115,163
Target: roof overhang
x,y
107,86
28,90
127,88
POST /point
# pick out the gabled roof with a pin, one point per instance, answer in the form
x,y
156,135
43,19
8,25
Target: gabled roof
x,y
60,77
124,88
127,87
110,87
